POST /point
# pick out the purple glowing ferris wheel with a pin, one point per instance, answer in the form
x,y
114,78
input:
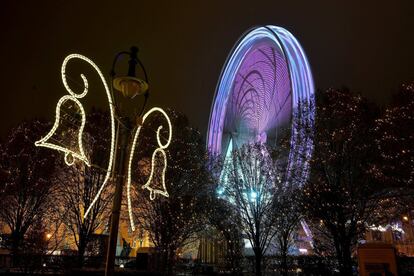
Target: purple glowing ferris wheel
x,y
265,79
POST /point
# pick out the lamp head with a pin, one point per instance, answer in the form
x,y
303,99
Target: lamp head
x,y
130,86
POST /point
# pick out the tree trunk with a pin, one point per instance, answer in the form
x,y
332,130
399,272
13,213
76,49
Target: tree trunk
x,y
343,253
167,261
258,262
17,238
163,263
346,267
81,252
15,243
234,255
283,246
171,261
284,266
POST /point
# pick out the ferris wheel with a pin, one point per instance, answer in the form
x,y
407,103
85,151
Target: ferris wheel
x,y
265,80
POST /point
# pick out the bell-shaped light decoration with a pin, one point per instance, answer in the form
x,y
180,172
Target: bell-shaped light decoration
x,y
71,153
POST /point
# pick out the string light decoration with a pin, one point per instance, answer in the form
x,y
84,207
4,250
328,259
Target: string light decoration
x,y
71,155
158,151
392,227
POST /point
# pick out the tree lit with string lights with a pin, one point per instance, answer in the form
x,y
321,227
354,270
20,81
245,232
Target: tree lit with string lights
x,y
342,197
27,192
395,139
77,186
173,222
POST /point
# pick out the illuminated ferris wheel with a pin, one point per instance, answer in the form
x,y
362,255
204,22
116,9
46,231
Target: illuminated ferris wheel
x,y
265,79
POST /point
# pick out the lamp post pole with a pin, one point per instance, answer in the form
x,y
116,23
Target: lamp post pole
x,y
130,86
124,135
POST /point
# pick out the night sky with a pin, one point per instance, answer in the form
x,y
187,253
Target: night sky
x,y
184,44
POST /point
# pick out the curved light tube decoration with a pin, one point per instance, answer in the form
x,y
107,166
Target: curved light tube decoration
x,y
160,151
71,155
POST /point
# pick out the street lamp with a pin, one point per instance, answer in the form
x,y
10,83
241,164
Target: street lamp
x,y
130,86
123,137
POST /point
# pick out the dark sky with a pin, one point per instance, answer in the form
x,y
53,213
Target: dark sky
x,y
365,45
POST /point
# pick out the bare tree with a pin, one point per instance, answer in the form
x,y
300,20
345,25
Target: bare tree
x,y
290,169
288,214
226,224
394,132
248,183
77,189
78,185
173,222
341,196
26,187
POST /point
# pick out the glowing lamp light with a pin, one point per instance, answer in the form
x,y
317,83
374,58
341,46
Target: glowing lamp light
x,y
130,86
405,218
303,250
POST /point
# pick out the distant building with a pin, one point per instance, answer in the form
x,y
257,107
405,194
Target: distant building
x,y
398,233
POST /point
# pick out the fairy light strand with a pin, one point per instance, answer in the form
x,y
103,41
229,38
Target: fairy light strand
x,y
392,227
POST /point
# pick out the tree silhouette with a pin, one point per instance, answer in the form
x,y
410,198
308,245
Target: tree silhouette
x,y
249,182
172,222
77,186
26,186
341,196
394,132
288,214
